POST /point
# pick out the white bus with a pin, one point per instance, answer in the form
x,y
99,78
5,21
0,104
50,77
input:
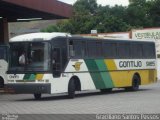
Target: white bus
x,y
51,63
3,65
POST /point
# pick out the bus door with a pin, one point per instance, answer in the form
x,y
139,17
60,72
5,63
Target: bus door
x,y
56,62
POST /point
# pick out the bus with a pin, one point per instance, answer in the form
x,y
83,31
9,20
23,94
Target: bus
x,y
3,65
62,63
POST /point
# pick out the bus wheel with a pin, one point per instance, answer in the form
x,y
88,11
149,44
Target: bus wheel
x,y
106,90
37,96
135,84
1,83
71,89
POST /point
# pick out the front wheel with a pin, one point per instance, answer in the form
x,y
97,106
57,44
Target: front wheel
x,y
71,89
37,96
1,83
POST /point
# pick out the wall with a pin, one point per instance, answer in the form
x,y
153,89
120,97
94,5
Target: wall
x,y
150,34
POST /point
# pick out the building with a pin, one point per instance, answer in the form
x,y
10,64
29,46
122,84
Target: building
x,y
28,10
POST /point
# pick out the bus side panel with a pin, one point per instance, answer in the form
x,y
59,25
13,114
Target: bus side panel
x,y
74,68
60,85
86,81
79,68
123,78
120,78
92,73
101,74
147,76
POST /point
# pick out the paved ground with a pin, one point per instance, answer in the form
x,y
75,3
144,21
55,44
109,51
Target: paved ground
x,y
147,100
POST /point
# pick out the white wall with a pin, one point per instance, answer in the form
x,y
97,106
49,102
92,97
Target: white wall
x,y
150,34
158,69
124,35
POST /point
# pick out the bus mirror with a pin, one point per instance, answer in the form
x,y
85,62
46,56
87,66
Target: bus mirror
x,y
71,51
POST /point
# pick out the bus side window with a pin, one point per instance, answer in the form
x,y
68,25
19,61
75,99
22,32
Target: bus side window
x,y
136,51
71,49
79,49
110,50
124,50
149,50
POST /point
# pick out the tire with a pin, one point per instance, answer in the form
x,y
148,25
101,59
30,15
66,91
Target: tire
x,y
37,96
135,84
108,90
1,83
71,89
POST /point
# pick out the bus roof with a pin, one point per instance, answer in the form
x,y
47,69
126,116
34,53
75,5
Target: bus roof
x,y
48,36
38,36
120,39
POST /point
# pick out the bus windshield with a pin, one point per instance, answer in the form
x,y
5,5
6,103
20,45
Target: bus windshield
x,y
29,56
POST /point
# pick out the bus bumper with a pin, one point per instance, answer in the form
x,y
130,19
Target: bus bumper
x,y
28,88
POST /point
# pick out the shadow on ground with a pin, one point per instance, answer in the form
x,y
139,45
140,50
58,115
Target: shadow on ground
x,y
80,95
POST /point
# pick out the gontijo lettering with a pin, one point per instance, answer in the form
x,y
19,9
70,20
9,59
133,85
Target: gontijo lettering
x,y
125,64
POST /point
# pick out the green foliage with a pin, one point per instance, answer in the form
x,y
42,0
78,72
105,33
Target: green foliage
x,y
137,14
155,13
89,15
52,28
85,6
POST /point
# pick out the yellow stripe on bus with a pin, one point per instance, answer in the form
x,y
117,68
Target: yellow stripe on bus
x,y
118,77
110,64
39,76
124,78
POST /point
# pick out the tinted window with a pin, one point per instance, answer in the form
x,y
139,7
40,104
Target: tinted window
x,y
110,50
91,49
123,50
136,51
79,48
95,49
99,49
149,50
113,49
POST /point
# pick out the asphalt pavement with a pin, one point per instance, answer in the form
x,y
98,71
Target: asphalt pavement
x,y
144,101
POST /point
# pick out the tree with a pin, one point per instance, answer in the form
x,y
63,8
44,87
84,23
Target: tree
x,y
155,12
52,28
82,21
85,6
89,15
113,24
137,14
